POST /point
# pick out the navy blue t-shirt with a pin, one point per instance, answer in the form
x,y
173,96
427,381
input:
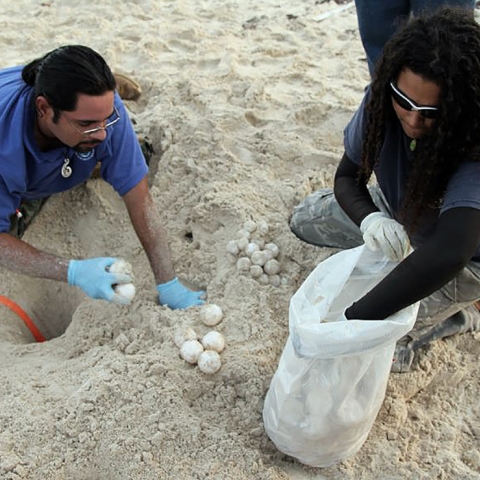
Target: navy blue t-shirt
x,y
26,173
463,189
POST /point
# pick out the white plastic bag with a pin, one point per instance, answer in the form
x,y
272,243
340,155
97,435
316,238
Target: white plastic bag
x,y
332,375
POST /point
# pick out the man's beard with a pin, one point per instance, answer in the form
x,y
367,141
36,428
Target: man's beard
x,y
85,147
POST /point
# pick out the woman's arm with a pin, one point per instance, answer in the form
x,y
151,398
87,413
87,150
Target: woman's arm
x,y
427,269
353,197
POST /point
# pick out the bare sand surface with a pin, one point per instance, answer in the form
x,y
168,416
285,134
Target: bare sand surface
x,y
245,103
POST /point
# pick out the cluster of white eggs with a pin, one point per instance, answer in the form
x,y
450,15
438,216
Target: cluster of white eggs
x,y
126,291
203,351
254,255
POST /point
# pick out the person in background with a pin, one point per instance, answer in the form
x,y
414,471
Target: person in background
x,y
379,19
418,131
60,115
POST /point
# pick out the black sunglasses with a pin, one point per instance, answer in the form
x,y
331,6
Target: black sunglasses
x,y
407,104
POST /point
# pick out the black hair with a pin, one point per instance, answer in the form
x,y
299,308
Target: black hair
x,y
444,48
64,73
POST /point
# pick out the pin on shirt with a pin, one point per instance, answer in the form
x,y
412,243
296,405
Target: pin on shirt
x,y
66,169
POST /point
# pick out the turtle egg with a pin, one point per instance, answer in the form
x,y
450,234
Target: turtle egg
x,y
272,267
191,350
262,228
264,279
211,315
209,362
273,248
213,341
275,280
182,335
256,271
242,243
232,247
259,241
121,266
259,258
243,264
250,226
243,233
251,248
125,290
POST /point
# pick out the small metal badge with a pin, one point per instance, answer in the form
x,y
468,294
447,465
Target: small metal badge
x,y
66,169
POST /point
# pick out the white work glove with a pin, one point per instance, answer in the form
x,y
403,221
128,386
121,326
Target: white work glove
x,y
382,232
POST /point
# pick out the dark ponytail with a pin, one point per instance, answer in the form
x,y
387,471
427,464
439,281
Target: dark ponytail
x,y
29,72
64,73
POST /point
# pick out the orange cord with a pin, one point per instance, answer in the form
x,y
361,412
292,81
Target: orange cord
x,y
23,315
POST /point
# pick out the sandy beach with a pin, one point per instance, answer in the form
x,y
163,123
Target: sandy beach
x,y
245,105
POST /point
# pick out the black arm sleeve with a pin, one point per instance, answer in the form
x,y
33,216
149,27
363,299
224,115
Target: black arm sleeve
x,y
427,269
353,197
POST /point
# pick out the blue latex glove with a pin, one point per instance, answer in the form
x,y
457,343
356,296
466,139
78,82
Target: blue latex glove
x,y
176,295
93,277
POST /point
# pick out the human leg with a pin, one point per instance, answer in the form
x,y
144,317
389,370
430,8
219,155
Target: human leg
x,y
319,220
127,88
377,22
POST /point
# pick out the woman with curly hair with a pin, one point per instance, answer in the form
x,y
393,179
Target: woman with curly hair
x,y
418,131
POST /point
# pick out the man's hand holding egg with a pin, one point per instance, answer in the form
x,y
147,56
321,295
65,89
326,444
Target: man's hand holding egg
x,y
124,292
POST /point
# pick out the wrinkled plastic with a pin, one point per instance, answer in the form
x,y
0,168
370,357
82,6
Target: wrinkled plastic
x,y
332,376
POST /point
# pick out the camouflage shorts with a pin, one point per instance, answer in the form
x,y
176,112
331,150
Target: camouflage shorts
x,y
319,220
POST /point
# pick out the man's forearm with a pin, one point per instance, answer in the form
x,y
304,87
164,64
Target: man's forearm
x,y
154,240
149,228
20,257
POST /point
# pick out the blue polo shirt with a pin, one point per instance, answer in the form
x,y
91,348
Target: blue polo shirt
x,y
393,169
26,173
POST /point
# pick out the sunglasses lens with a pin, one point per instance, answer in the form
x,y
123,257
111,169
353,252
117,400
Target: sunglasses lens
x,y
429,114
402,103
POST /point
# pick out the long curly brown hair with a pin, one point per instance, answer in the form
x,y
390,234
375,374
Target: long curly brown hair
x,y
443,48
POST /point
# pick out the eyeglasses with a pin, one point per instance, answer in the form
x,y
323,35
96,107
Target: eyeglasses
x,y
92,131
407,104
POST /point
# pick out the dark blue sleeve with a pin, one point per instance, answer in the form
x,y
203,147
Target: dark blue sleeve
x,y
350,194
427,269
123,164
8,204
354,132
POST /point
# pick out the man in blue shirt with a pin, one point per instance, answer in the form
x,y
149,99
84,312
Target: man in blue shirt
x,y
59,116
